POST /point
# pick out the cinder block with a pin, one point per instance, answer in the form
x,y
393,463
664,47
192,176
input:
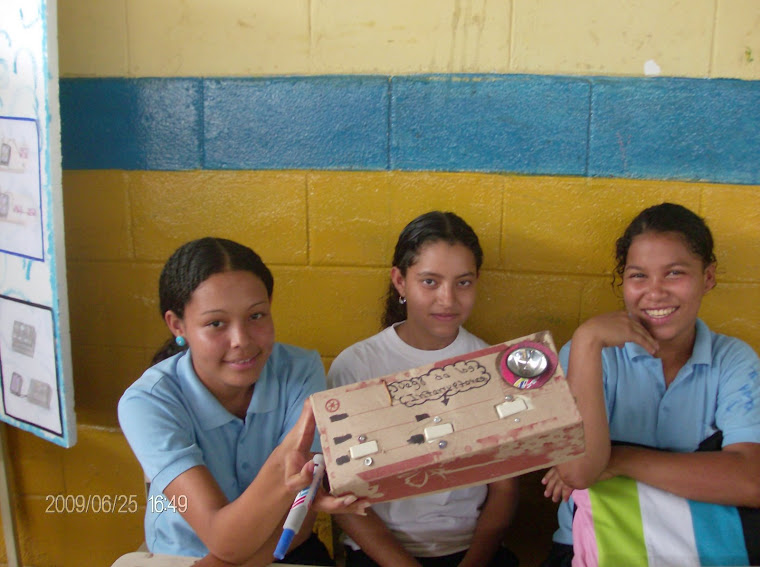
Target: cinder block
x,y
569,225
475,197
265,210
396,37
734,309
328,309
236,37
41,525
131,124
37,464
514,305
349,217
92,39
599,296
737,40
507,123
102,373
101,538
113,303
336,122
612,38
97,215
690,129
102,468
733,215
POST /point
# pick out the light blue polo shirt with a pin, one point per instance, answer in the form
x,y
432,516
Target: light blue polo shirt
x,y
717,389
173,423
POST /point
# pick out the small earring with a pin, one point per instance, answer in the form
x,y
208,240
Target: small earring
x,y
402,299
180,340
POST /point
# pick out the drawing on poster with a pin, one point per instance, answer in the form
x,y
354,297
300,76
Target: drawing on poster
x,y
20,189
27,364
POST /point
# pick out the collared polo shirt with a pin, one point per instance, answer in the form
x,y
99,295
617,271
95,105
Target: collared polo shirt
x,y
173,423
717,389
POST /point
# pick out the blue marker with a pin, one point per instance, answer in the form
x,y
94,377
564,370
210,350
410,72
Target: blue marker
x,y
300,507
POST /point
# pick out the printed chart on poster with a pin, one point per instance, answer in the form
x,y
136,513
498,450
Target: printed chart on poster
x,y
20,190
30,389
36,385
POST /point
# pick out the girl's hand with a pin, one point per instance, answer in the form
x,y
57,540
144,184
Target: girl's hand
x,y
347,504
299,468
295,450
555,488
614,330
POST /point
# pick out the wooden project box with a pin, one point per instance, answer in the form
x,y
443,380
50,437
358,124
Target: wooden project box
x,y
463,421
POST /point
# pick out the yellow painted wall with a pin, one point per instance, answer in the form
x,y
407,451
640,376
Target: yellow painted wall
x,y
329,235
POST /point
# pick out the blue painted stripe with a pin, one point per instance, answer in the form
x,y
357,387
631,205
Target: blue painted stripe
x,y
676,129
296,123
718,533
649,128
523,124
131,123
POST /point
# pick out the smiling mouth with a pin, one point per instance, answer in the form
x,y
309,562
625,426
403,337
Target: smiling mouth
x,y
660,313
243,361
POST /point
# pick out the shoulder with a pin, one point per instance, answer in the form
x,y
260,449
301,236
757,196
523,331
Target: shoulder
x,y
354,362
371,346
469,341
289,362
161,400
159,383
290,354
724,350
613,358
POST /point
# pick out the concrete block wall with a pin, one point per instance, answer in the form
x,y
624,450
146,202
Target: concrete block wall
x,y
313,130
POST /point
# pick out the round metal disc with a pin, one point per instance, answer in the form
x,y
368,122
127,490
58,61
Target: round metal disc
x,y
527,362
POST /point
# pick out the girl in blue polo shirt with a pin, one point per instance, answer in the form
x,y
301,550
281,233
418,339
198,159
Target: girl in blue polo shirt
x,y
219,423
655,375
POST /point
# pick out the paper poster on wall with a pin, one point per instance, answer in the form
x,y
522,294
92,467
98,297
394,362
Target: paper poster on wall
x,y
27,364
20,191
36,382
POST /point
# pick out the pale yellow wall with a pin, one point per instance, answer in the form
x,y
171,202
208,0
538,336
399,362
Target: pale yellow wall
x,y
137,38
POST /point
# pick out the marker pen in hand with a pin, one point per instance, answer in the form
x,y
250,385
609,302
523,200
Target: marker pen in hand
x,y
300,507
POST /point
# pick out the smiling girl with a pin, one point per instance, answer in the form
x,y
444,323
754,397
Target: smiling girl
x,y
431,294
219,423
655,375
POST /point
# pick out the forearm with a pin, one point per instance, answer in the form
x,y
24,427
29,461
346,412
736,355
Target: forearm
x,y
234,531
730,476
265,554
263,557
375,539
495,517
584,376
242,532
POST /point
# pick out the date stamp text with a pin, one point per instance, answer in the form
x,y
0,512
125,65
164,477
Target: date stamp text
x,y
91,504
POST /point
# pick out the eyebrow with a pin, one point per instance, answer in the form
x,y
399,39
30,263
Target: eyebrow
x,y
671,265
464,275
253,305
